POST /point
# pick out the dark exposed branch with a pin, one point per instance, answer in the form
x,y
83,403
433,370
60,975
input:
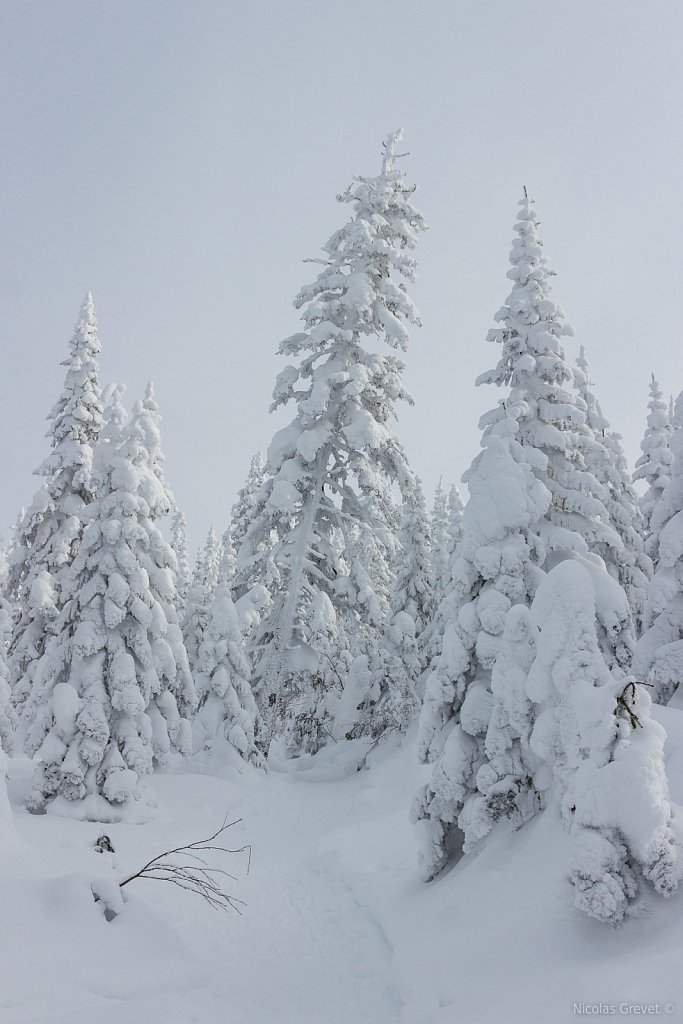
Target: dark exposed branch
x,y
185,868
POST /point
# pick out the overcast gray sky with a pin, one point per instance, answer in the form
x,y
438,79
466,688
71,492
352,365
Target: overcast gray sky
x,y
181,158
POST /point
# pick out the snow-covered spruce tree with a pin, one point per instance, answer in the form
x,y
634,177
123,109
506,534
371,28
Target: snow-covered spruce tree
x,y
14,555
606,460
142,445
113,687
389,666
659,653
146,415
227,709
412,589
326,708
200,596
552,421
455,513
228,563
505,783
395,671
600,751
544,497
179,545
371,555
445,532
498,567
330,471
400,654
654,465
7,715
439,534
247,504
255,565
50,532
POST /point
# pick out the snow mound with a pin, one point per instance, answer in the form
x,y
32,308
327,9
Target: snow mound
x,y
337,925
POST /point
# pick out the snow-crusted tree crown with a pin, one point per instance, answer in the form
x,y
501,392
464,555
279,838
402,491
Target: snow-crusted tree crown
x,y
655,462
585,385
532,323
144,427
79,408
558,443
76,419
359,293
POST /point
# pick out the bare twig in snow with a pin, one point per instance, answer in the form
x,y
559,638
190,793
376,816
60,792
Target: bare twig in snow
x,y
189,868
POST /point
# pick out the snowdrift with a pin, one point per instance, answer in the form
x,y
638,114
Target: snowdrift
x,y
338,928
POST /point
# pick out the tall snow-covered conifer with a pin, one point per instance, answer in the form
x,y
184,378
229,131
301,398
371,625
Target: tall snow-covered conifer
x,y
113,687
331,469
498,567
146,414
200,596
246,506
390,666
48,537
179,545
445,537
455,513
533,502
606,460
659,653
412,590
439,523
552,421
227,709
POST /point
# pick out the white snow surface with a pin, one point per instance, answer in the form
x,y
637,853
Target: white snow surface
x,y
337,927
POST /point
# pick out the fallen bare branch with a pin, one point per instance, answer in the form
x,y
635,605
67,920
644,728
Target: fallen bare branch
x,y
194,873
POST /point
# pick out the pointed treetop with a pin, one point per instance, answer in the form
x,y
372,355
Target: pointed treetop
x,y
84,343
115,414
595,418
86,317
150,397
390,155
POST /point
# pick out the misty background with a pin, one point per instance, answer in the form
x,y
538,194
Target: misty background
x,y
181,159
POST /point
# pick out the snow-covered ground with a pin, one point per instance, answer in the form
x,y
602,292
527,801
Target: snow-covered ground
x,y
338,929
